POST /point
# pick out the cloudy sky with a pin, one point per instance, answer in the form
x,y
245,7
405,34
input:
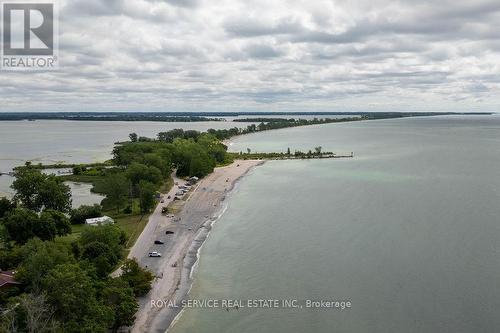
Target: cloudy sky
x,y
268,55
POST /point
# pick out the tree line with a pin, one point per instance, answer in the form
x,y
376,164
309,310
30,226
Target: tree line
x,y
266,124
65,283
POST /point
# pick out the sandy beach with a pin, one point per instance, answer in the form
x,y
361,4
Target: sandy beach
x,y
190,226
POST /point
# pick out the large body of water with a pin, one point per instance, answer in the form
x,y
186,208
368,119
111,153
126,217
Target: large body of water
x,y
408,231
54,141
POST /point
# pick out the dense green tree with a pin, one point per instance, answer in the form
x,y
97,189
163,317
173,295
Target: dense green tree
x,y
137,172
192,158
171,135
101,255
36,191
213,146
61,222
191,134
72,293
80,297
118,296
10,255
27,184
136,277
53,194
160,162
4,241
127,153
20,224
38,258
111,235
45,228
201,165
147,193
78,170
116,188
6,206
80,214
133,137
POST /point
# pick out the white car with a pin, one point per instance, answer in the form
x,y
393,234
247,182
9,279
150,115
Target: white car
x,y
154,254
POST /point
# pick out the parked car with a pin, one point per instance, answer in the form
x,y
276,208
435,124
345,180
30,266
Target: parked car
x,y
168,232
159,242
154,254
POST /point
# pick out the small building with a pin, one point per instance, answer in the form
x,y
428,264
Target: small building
x,y
7,280
99,220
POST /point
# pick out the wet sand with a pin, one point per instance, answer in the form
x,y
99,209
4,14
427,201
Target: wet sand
x,y
190,228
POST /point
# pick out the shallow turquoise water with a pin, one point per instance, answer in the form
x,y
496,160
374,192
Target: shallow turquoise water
x,y
408,231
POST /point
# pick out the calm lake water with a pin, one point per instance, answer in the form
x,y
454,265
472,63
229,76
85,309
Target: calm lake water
x,y
53,141
408,231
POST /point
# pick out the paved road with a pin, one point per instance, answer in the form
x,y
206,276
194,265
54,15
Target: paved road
x,y
145,242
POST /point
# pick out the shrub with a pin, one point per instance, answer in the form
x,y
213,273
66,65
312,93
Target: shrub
x,y
79,215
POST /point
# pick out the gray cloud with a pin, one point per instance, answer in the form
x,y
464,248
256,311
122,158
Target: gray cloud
x,y
262,51
183,3
245,27
268,55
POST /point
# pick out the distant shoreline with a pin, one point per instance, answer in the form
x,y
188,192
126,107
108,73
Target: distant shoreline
x,y
203,116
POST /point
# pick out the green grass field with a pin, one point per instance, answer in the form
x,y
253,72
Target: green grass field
x,y
132,224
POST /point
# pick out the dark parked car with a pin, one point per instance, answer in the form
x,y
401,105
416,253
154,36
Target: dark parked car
x,y
168,232
159,242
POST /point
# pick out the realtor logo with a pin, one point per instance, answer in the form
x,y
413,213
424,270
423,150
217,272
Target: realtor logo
x,y
28,36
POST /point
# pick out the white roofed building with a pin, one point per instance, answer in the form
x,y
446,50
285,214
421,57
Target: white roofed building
x,y
99,220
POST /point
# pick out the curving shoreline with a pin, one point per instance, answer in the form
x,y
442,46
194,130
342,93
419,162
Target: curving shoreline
x,y
180,255
192,258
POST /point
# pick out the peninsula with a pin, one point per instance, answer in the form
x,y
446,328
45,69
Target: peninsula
x,y
163,195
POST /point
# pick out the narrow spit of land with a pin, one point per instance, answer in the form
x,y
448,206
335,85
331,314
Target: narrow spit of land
x,y
193,214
